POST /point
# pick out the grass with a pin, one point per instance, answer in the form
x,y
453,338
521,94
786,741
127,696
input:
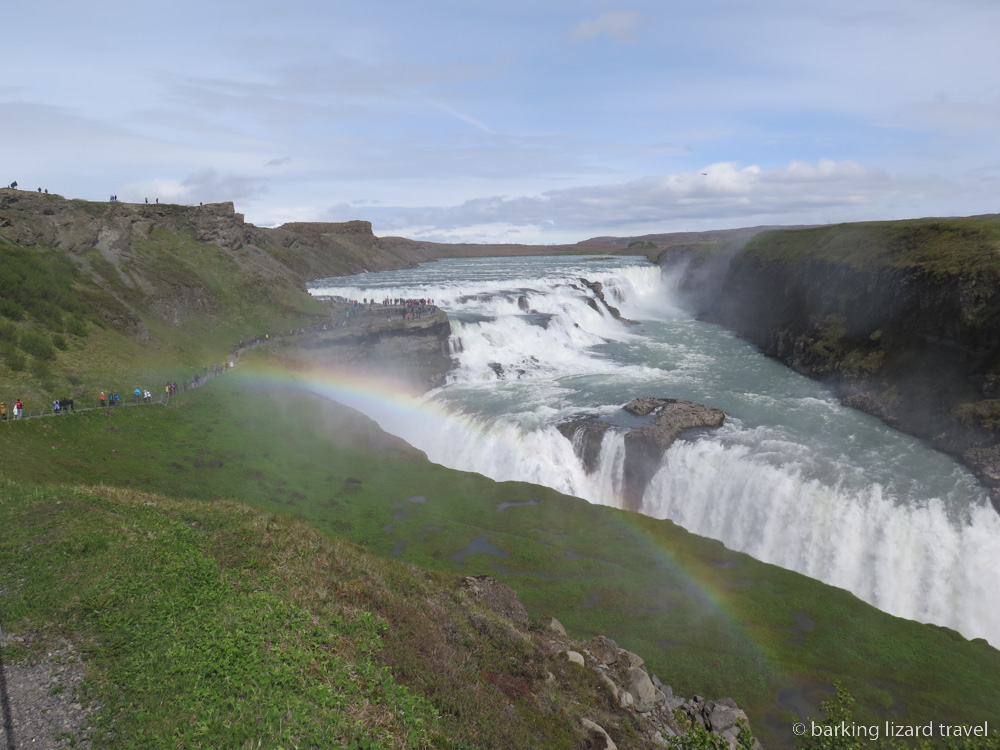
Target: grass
x,y
173,304
953,246
214,625
707,620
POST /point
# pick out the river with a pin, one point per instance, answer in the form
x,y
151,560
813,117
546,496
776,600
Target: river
x,y
793,478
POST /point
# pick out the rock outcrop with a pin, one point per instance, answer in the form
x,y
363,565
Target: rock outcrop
x,y
633,696
586,434
645,445
598,289
412,352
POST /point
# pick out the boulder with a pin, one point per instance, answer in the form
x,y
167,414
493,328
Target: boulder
x,y
609,744
554,625
642,689
604,650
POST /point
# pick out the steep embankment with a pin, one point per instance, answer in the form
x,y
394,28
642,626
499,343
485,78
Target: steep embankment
x,y
216,625
103,296
902,318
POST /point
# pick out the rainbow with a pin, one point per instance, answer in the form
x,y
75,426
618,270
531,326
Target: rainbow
x,y
390,404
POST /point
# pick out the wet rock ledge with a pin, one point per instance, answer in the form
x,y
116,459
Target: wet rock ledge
x,y
645,445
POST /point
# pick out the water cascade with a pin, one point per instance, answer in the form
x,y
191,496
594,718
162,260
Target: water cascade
x,y
793,478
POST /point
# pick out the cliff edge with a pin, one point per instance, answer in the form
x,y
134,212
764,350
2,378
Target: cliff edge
x,y
901,318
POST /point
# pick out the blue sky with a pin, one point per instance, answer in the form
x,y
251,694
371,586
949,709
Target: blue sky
x,y
511,121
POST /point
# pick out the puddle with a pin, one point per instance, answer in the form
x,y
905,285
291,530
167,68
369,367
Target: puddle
x,y
397,548
416,499
802,625
478,546
723,564
503,506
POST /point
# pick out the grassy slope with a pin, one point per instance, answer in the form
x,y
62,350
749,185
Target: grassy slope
x,y
94,316
216,626
934,246
708,621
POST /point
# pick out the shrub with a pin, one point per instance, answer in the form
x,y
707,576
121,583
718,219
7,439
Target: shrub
x,y
37,346
76,327
16,361
59,342
11,309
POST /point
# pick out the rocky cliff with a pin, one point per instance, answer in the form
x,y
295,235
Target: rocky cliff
x,y
902,319
632,695
644,445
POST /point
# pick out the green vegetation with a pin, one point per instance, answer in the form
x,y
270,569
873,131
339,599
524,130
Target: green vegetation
x,y
212,625
957,246
707,620
69,329
983,414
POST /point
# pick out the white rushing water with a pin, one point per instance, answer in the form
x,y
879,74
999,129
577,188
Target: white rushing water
x,y
792,478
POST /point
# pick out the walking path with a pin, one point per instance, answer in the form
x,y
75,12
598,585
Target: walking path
x,y
348,317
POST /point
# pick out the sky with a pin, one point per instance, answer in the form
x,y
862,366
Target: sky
x,y
537,122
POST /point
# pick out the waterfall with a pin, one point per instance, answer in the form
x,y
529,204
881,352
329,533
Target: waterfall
x,y
793,478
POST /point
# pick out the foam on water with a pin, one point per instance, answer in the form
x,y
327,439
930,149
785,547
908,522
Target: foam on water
x,y
793,478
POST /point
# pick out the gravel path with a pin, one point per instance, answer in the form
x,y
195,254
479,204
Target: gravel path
x,y
39,700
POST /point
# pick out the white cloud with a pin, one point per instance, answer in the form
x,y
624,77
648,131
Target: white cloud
x,y
726,193
618,26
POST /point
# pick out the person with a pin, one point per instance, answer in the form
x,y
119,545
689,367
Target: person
x,y
55,406
3,412
103,398
18,408
137,393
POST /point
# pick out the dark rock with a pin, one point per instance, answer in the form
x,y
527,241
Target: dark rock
x,y
586,434
645,446
598,289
